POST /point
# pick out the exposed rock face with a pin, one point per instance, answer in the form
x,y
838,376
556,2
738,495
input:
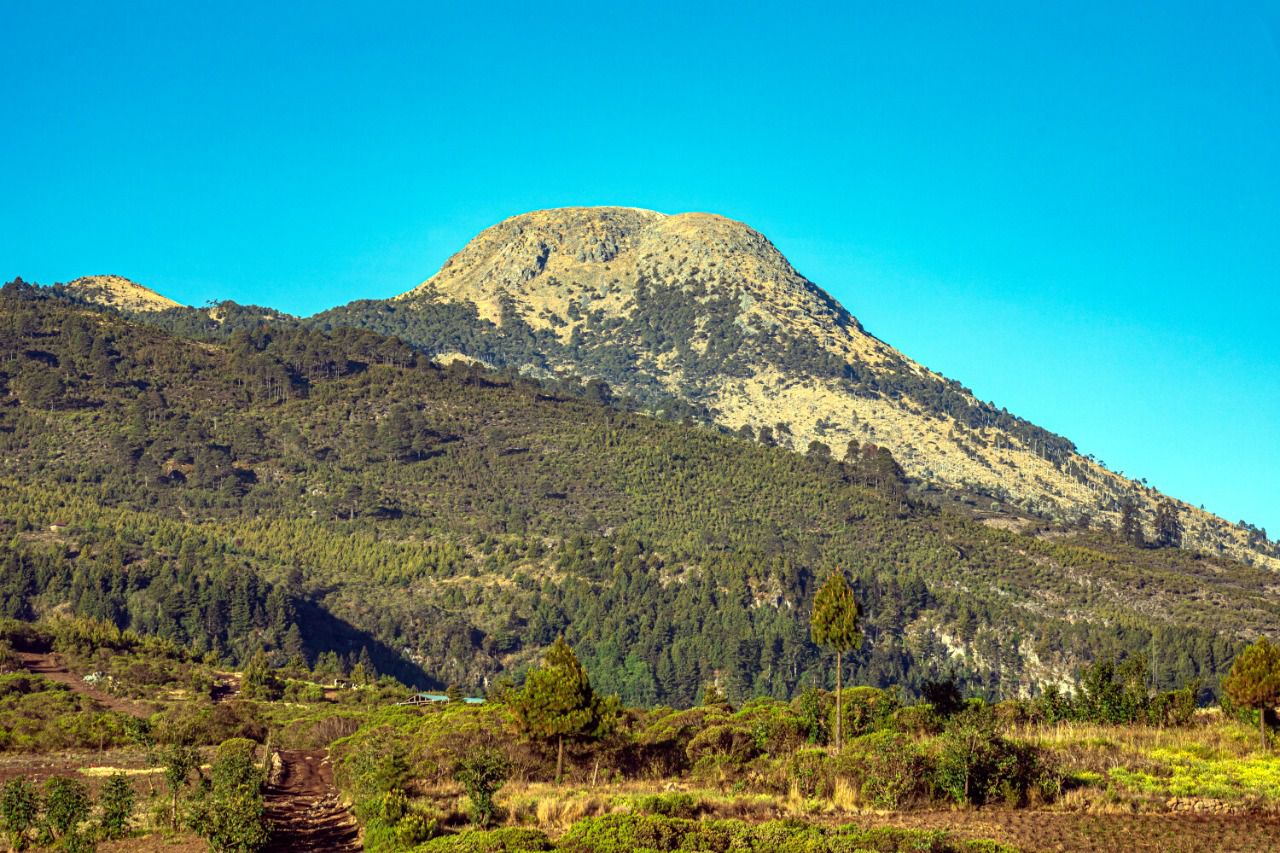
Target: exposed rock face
x,y
710,311
118,292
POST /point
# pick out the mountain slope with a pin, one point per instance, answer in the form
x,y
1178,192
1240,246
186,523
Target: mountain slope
x,y
704,310
337,492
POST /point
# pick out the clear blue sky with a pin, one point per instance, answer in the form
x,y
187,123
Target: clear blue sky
x,y
1074,211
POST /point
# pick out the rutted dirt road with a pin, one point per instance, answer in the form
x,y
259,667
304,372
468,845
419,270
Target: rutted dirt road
x,y
303,807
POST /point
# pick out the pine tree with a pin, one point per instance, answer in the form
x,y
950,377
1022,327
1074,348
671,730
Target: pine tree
x,y
1254,681
558,702
834,623
1131,524
1168,525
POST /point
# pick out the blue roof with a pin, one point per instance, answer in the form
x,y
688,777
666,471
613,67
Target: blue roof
x,y
441,697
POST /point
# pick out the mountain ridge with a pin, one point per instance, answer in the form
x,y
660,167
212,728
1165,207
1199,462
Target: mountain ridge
x,y
703,310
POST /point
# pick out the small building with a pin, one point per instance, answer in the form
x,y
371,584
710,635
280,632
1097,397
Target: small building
x,y
437,698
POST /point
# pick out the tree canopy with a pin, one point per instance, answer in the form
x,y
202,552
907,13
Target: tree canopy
x,y
1254,680
558,702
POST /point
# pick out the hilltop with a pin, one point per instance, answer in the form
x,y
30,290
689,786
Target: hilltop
x,y
117,292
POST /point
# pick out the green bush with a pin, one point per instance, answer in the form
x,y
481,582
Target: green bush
x,y
393,806
809,771
918,720
809,708
626,833
117,800
889,768
228,811
66,805
481,774
867,709
976,765
669,805
505,840
413,828
19,806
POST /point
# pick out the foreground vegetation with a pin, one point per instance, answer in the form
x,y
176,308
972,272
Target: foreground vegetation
x,y
761,775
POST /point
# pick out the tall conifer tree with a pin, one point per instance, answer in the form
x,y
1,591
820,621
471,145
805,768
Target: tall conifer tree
x,y
558,702
834,624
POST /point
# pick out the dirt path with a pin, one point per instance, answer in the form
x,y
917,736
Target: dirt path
x,y
303,807
50,665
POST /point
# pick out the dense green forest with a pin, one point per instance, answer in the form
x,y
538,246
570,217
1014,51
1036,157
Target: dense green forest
x,y
334,494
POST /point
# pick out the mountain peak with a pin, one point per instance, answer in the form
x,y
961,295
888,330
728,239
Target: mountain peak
x,y
119,292
555,266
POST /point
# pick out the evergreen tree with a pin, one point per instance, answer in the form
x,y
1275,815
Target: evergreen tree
x,y
1254,681
1131,524
558,702
1168,525
834,623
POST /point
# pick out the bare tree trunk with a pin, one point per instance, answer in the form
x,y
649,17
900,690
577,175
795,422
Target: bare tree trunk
x,y
559,759
839,707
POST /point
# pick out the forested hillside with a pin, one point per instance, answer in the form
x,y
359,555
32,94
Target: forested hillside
x,y
338,494
700,311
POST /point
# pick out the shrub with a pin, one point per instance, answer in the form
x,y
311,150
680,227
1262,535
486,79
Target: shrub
x,y
808,706
230,820
393,807
117,801
1052,706
414,828
378,765
669,805
734,741
66,805
976,765
775,728
808,771
505,840
233,765
918,720
867,709
229,812
889,767
625,833
19,806
481,775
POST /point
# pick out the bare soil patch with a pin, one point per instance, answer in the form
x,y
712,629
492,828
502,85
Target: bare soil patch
x,y
1038,831
50,665
303,807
